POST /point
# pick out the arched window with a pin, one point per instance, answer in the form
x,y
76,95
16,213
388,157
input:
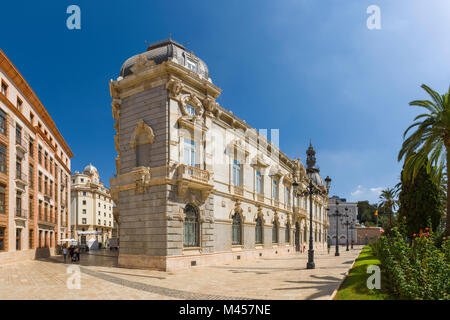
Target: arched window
x,y
191,227
287,237
258,231
275,232
236,229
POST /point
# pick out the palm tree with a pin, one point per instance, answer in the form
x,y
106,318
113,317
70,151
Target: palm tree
x,y
387,200
430,144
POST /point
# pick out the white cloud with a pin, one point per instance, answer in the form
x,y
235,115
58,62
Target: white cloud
x,y
362,193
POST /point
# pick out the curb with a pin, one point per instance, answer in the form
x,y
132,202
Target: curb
x,y
333,295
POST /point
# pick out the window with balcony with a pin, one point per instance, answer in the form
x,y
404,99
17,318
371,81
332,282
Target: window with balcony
x,y
18,134
190,153
237,173
191,227
2,122
19,168
19,204
2,159
236,229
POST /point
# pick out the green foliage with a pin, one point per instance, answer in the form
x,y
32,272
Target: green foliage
x,y
354,286
417,271
420,202
429,144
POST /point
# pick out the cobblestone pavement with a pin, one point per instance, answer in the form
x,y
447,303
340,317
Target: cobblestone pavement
x,y
285,277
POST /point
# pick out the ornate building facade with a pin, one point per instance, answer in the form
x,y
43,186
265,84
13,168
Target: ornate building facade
x,y
34,172
91,207
352,220
195,185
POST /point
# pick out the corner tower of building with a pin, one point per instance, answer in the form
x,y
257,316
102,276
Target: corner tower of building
x,y
145,105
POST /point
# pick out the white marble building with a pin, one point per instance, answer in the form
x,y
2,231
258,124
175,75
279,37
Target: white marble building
x,y
195,185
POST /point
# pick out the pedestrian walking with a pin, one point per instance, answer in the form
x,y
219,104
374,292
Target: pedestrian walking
x,y
304,248
65,253
71,253
329,247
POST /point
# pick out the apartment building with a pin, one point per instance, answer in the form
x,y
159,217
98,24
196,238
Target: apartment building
x,y
34,172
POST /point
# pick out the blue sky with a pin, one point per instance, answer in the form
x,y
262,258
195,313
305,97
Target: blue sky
x,y
309,68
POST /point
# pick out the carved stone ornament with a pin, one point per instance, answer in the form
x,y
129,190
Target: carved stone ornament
x,y
142,179
210,104
143,134
175,87
115,104
141,63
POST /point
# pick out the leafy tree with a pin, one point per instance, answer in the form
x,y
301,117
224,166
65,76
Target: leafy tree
x,y
419,202
429,144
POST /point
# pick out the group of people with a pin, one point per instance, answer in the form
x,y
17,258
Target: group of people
x,y
74,253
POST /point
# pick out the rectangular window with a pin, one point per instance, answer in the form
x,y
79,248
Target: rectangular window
x,y
19,104
2,238
31,147
84,211
274,189
236,173
2,122
40,155
30,208
189,152
18,168
287,195
4,89
191,65
259,182
84,221
2,200
30,178
18,134
2,159
190,109
31,239
18,239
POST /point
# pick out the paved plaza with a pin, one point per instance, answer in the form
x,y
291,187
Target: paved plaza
x,y
285,277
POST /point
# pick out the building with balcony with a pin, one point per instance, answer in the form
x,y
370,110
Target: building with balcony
x,y
352,219
195,185
34,172
91,208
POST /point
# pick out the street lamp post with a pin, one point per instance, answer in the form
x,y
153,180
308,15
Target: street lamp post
x,y
337,214
311,190
346,223
352,227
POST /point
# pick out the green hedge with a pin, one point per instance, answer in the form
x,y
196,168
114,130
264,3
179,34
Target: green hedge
x,y
416,270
